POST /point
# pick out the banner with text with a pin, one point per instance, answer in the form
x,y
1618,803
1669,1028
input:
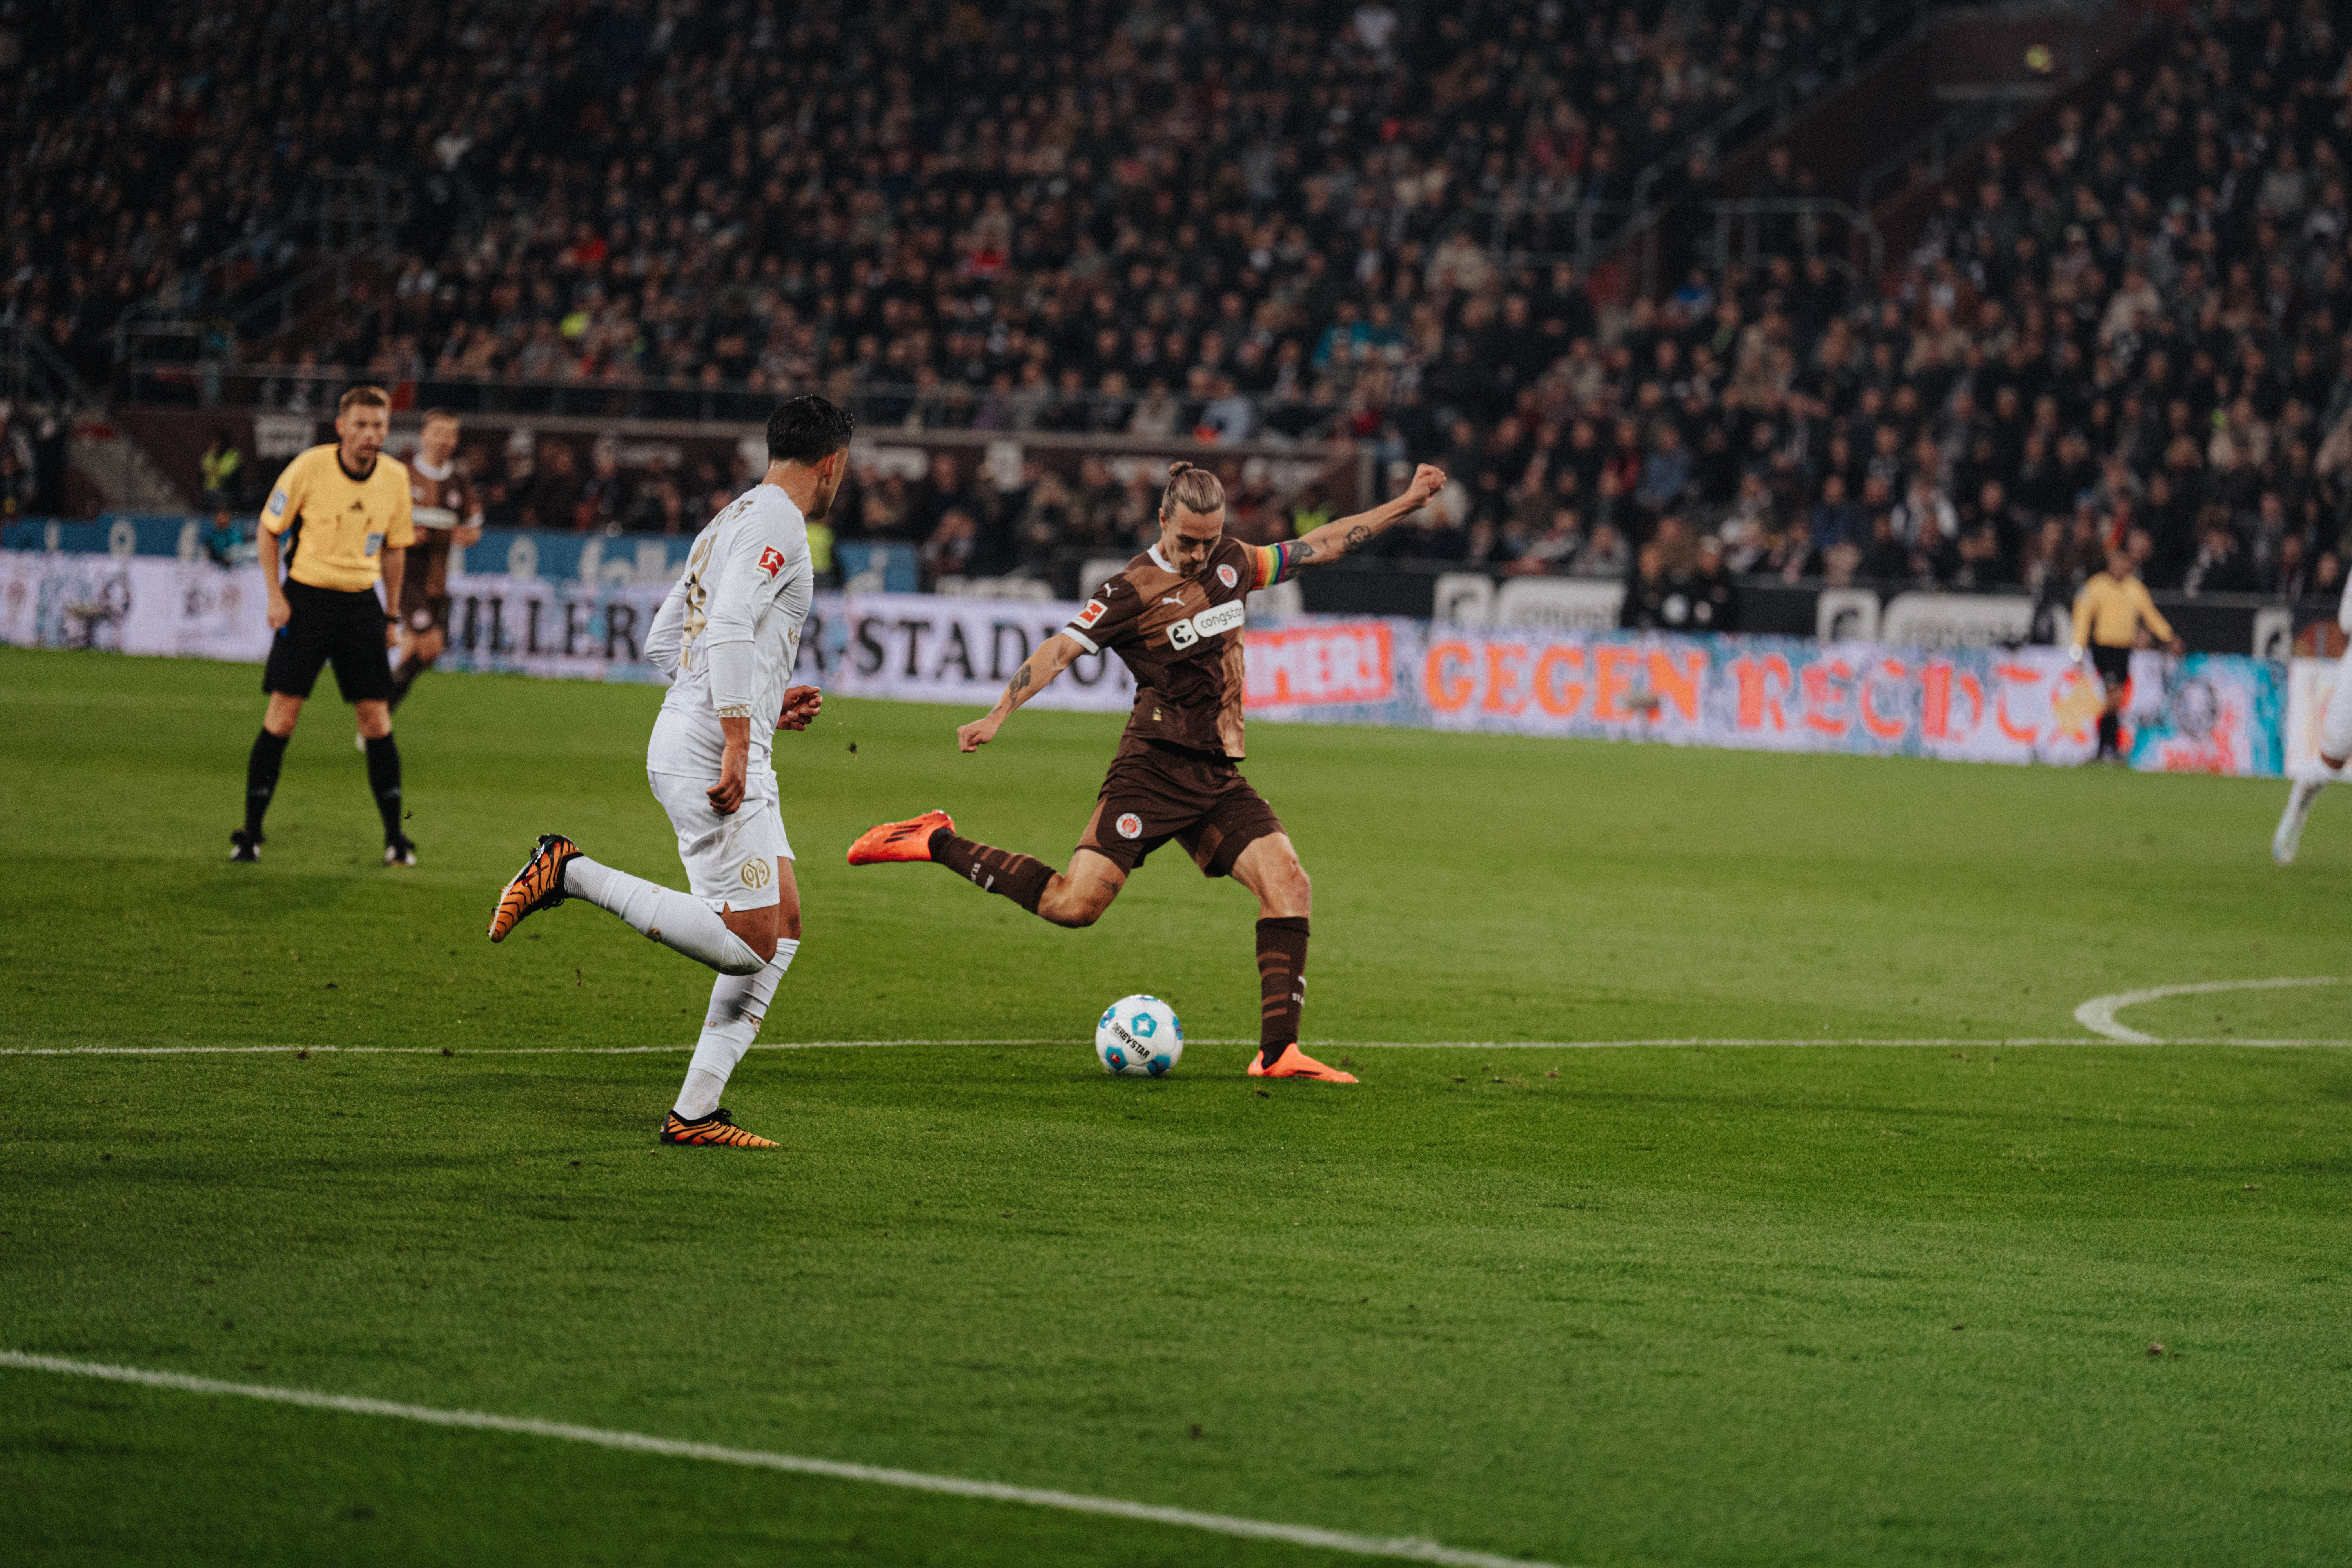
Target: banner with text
x,y
2203,713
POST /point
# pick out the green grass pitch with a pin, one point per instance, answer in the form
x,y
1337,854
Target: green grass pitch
x,y
1886,1304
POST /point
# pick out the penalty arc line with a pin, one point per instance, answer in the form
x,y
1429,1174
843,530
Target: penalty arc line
x,y
1407,1549
2098,1015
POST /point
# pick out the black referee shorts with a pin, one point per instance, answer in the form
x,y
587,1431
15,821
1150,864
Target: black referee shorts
x,y
2114,664
330,626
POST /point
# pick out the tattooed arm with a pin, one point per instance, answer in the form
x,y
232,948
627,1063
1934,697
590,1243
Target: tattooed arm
x,y
1340,535
1036,672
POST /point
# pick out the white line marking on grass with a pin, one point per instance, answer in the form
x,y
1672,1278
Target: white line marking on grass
x,y
1408,1549
2098,1015
2117,1037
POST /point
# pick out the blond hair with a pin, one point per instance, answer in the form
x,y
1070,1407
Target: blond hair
x,y
364,398
1193,488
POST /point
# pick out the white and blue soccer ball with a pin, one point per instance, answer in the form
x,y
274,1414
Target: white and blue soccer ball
x,y
1138,1037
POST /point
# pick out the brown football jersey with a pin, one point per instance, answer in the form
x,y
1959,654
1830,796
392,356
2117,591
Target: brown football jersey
x,y
1181,637
440,502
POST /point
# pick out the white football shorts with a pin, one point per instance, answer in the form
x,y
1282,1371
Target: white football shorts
x,y
730,861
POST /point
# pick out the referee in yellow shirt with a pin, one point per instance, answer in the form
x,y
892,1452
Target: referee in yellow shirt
x,y
343,512
2108,613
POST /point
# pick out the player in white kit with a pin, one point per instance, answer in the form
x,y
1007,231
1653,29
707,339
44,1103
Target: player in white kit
x,y
2335,750
728,638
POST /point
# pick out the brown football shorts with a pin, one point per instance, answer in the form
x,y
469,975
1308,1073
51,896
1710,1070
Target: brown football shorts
x,y
1156,791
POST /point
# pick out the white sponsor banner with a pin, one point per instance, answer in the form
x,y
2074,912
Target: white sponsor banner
x,y
2310,682
2201,713
139,604
919,647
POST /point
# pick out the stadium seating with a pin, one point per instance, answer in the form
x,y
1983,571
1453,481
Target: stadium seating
x,y
1239,221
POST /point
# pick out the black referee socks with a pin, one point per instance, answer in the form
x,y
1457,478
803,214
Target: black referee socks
x,y
261,779
383,781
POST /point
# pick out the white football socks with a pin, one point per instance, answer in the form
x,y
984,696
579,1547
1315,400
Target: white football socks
x,y
738,1002
676,920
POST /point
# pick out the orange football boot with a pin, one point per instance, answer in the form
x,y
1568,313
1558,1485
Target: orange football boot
x,y
1295,1063
715,1131
907,840
537,885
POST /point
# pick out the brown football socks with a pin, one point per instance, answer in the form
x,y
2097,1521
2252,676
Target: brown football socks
x,y
1282,983
1020,878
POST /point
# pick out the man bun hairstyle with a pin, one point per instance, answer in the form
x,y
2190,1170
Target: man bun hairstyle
x,y
807,429
362,397
1193,488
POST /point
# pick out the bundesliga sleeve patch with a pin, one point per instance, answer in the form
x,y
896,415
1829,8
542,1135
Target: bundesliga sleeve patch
x,y
277,503
772,560
1095,610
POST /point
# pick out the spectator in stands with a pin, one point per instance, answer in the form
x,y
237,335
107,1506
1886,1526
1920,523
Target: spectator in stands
x,y
1604,555
219,471
225,542
551,498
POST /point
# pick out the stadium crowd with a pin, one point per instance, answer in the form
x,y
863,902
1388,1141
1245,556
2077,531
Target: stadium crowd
x,y
1242,221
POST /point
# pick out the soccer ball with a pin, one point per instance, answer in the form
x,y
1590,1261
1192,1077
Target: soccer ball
x,y
1138,1037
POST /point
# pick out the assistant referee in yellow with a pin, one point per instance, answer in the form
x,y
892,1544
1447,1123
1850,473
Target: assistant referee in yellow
x,y
2108,614
343,510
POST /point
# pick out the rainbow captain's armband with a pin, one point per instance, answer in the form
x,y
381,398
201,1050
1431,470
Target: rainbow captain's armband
x,y
1275,563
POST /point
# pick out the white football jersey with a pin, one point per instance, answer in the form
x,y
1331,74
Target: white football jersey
x,y
728,635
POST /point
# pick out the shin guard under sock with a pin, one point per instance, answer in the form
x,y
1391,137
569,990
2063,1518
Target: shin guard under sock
x,y
261,770
738,1002
1281,983
384,782
679,922
1020,878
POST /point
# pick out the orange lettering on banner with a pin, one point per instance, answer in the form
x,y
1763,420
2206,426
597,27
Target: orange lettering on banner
x,y
1557,687
1878,724
1679,686
1505,662
1317,665
1935,701
1825,701
1757,702
2020,674
1449,691
1975,694
1612,677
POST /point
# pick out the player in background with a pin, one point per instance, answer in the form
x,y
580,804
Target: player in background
x,y
1174,618
343,510
447,518
2335,750
728,638
2108,613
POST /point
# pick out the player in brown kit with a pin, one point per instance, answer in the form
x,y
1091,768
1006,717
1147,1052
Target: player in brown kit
x,y
446,516
1174,616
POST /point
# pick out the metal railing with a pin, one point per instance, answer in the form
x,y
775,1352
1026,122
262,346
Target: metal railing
x,y
338,217
1769,109
1962,130
877,405
1765,226
32,371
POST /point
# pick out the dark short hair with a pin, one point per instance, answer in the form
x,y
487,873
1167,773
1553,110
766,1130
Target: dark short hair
x,y
807,429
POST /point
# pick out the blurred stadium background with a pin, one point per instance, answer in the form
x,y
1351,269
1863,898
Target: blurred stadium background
x,y
1716,303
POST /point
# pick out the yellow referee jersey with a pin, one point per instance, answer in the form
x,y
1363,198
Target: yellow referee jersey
x,y
339,524
2110,612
